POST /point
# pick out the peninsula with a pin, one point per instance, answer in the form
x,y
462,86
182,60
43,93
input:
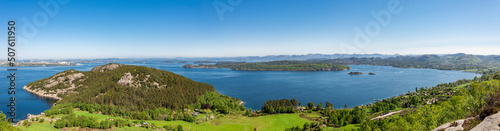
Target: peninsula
x,y
274,66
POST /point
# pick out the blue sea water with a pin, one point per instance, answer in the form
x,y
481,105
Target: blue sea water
x,y
256,87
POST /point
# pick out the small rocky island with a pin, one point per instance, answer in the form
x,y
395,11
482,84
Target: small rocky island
x,y
371,73
355,73
273,66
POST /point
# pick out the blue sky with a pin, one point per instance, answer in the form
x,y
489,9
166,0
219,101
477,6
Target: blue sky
x,y
193,28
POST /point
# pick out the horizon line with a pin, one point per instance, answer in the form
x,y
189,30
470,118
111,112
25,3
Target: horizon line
x,y
180,57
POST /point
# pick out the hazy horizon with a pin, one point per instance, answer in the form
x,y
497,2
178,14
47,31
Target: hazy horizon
x,y
57,29
202,57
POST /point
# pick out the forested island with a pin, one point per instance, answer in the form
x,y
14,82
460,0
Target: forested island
x,y
274,66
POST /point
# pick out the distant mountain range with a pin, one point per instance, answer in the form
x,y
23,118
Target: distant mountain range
x,y
461,58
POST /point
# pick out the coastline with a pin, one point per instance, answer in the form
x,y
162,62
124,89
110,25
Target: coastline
x,y
42,114
42,93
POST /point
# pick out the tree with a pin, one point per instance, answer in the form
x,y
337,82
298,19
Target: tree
x,y
248,112
319,106
328,104
5,123
294,102
179,128
310,105
306,126
345,106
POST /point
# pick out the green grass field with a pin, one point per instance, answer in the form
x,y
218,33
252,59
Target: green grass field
x,y
227,123
461,86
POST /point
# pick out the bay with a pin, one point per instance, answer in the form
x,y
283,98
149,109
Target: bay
x,y
256,87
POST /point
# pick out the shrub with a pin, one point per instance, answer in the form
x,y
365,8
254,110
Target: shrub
x,y
487,112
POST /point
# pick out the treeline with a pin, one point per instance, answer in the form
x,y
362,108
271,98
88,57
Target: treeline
x,y
280,106
275,66
59,109
312,126
292,106
218,102
90,122
211,100
342,117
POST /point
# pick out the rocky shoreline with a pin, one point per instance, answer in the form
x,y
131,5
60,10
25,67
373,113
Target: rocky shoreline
x,y
41,115
42,93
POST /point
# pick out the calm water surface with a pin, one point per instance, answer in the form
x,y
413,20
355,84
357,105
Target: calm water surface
x,y
256,87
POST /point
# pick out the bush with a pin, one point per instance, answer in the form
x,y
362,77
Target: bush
x,y
179,128
487,112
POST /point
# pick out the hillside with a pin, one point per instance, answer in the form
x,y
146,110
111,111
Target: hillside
x,y
132,88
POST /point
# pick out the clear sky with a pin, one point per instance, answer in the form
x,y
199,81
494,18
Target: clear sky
x,y
226,28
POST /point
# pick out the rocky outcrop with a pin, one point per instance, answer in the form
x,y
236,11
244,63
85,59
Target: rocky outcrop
x,y
453,126
106,67
490,123
126,80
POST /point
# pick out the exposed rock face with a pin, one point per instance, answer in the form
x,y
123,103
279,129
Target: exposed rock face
x,y
449,127
106,67
126,80
490,123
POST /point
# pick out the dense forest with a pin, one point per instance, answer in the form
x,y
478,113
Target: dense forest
x,y
274,66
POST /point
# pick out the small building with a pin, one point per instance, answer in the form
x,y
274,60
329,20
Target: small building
x,y
196,110
300,108
254,114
